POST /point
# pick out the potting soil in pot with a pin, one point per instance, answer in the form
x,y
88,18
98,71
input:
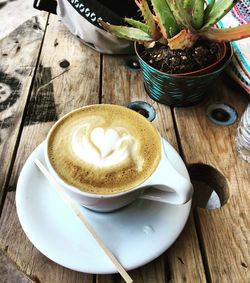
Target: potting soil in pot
x,y
199,56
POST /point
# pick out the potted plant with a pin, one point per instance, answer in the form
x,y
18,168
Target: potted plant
x,y
179,50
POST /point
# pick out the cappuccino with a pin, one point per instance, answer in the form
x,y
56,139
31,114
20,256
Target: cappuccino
x,y
104,149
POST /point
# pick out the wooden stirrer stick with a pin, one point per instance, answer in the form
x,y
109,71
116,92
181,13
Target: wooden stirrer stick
x,y
84,221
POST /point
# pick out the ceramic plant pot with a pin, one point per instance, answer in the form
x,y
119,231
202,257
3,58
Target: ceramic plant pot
x,y
182,90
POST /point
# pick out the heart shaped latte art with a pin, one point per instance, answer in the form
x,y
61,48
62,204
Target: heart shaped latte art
x,y
104,147
106,142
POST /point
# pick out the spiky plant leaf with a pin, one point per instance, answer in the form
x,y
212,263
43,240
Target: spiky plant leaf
x,y
198,14
227,34
129,33
174,15
196,9
148,18
182,17
219,10
188,5
137,24
208,9
165,19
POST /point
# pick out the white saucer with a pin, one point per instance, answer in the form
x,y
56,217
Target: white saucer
x,y
136,234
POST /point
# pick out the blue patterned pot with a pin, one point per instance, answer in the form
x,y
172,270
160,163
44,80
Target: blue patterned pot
x,y
178,90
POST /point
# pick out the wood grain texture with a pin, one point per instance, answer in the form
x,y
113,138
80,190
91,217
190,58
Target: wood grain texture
x,y
14,14
152,272
184,258
57,90
9,271
18,57
121,86
224,232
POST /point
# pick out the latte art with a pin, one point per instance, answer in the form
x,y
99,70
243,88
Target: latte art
x,y
104,149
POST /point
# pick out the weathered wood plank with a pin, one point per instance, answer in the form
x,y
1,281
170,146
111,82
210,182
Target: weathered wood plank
x,y
121,86
184,258
225,231
9,272
67,78
18,57
148,273
13,14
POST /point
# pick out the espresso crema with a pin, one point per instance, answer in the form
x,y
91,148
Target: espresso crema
x,y
104,149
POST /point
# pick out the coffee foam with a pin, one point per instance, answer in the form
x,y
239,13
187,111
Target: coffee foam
x,y
104,149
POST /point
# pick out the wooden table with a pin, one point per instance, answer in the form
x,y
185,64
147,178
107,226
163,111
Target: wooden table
x,y
47,72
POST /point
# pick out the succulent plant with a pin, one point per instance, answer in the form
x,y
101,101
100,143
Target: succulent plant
x,y
179,23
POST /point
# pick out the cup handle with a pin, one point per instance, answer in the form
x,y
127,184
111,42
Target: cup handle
x,y
167,185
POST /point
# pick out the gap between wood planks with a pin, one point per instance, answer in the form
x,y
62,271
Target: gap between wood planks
x,y
194,210
202,246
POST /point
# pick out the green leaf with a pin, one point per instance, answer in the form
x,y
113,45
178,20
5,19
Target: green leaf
x,y
137,24
148,18
183,18
165,18
188,5
208,9
219,10
198,14
129,33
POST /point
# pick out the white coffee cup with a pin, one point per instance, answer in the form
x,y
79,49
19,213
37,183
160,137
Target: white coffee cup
x,y
166,184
